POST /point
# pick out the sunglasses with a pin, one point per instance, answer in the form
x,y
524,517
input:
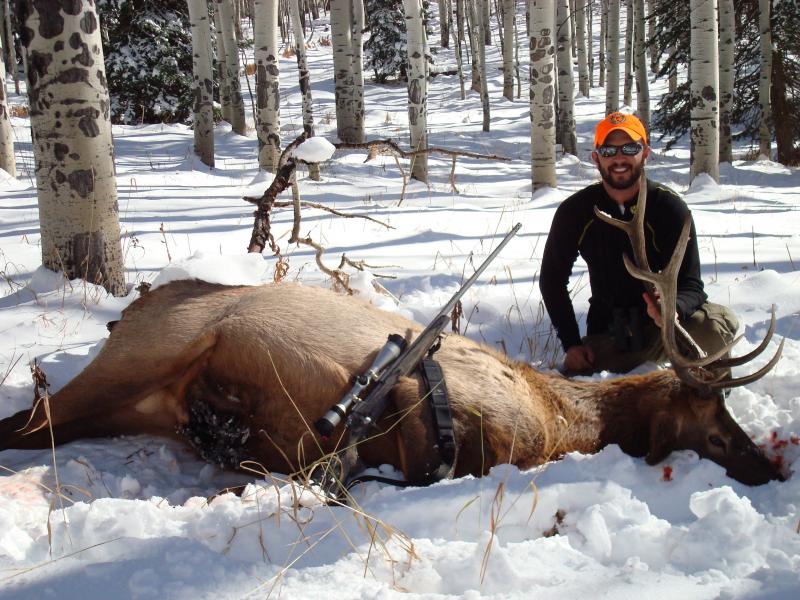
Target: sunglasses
x,y
629,149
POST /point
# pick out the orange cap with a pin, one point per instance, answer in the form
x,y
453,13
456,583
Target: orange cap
x,y
617,120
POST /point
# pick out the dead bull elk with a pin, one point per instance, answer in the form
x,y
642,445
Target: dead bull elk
x,y
241,373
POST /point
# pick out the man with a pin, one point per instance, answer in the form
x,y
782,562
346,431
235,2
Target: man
x,y
623,320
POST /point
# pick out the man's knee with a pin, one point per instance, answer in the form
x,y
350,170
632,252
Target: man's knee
x,y
712,326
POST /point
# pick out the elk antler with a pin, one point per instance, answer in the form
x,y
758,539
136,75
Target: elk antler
x,y
665,283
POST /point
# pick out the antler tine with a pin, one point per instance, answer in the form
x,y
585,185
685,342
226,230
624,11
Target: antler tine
x,y
729,383
740,360
635,227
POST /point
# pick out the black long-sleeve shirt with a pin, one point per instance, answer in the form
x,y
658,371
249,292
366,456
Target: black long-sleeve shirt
x,y
576,229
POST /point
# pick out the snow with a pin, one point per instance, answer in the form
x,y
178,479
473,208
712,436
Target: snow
x,y
142,517
314,150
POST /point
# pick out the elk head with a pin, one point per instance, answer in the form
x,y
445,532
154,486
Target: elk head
x,y
698,418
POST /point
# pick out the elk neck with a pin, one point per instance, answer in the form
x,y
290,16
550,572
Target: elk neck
x,y
589,415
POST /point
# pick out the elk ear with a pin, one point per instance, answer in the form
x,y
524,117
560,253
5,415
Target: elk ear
x,y
663,437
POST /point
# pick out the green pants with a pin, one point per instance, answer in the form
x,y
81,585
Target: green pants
x,y
712,326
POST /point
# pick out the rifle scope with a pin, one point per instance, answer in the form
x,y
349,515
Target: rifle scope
x,y
394,345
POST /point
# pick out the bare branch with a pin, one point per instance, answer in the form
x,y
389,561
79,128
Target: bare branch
x,y
391,146
333,211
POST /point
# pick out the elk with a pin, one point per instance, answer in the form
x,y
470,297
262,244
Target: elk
x,y
240,373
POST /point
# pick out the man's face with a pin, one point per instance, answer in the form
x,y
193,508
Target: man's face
x,y
620,172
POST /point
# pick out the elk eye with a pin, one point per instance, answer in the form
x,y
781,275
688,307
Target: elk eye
x,y
715,440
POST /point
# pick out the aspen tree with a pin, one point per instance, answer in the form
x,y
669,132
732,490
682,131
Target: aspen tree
x,y
542,92
268,116
566,115
612,57
580,33
72,147
417,86
764,79
508,48
7,161
640,64
202,82
628,79
349,94
727,72
704,85
237,119
304,78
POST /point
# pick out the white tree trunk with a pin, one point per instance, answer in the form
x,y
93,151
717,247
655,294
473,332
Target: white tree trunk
x,y
305,79
357,28
640,65
509,42
417,86
566,115
704,86
458,35
7,162
203,82
237,120
480,15
222,67
542,91
765,79
612,57
580,33
590,40
349,100
444,23
628,79
486,22
651,32
473,15
268,98
727,72
601,54
73,151
12,52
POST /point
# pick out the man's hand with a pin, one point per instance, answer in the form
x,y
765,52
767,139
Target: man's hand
x,y
579,359
654,308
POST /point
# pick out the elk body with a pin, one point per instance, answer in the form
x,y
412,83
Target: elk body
x,y
241,373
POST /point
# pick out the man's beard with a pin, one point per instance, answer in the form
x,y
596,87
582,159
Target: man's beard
x,y
626,182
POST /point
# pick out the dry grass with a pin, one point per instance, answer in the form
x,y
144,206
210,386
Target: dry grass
x,y
19,110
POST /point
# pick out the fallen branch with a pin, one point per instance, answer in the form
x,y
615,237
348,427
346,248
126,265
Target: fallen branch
x,y
285,178
395,148
387,146
333,211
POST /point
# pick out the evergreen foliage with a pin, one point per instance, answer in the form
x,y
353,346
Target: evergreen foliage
x,y
148,56
385,50
672,117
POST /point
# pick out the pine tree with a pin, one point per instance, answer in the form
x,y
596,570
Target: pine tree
x,y
148,50
385,51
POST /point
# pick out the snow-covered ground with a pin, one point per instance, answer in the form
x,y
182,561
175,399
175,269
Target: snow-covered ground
x,y
133,519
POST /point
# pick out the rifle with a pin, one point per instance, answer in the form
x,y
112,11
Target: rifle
x,y
395,360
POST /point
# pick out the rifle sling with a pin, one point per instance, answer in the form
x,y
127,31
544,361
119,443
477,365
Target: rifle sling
x,y
436,391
